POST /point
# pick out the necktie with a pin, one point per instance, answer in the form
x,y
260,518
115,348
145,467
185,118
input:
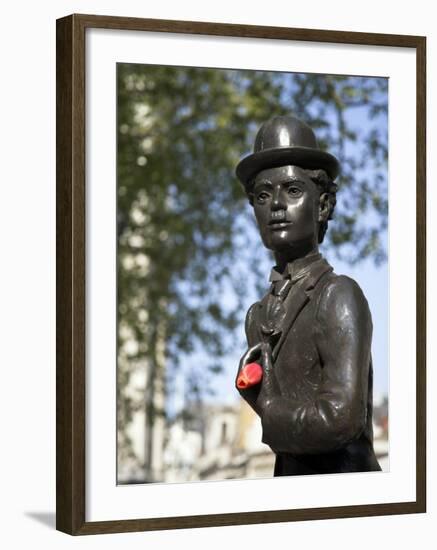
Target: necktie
x,y
275,311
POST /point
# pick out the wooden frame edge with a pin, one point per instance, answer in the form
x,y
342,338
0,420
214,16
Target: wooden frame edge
x,y
70,274
246,518
63,273
246,31
421,463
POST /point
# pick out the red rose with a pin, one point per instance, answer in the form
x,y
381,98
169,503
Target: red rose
x,y
250,375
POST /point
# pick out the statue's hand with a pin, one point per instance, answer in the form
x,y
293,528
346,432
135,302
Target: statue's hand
x,y
261,394
251,355
269,387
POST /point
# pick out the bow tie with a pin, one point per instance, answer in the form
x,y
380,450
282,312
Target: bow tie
x,y
281,288
295,270
275,312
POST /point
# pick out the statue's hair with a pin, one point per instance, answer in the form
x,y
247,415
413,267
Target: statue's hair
x,y
326,185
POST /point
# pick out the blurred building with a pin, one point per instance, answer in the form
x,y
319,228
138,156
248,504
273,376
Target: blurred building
x,y
380,431
216,442
224,442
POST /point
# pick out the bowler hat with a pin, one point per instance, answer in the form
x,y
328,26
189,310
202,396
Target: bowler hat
x,y
285,140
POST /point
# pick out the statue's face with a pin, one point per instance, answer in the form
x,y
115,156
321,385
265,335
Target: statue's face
x,y
287,203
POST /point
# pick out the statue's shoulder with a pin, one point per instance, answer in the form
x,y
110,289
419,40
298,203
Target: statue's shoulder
x,y
343,300
250,317
252,323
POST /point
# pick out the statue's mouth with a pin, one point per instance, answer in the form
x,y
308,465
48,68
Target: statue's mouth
x,y
278,219
278,225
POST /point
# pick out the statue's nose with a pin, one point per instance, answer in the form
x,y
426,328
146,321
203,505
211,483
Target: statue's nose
x,y
278,202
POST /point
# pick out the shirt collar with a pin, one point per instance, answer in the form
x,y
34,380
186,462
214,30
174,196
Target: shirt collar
x,y
295,270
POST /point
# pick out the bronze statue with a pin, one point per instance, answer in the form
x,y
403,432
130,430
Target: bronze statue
x,y
311,333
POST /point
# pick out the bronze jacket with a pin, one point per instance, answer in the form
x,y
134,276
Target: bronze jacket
x,y
320,421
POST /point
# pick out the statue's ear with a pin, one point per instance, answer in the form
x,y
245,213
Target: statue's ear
x,y
324,207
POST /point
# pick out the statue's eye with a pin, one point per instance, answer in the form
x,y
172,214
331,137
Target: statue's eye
x,y
294,191
262,196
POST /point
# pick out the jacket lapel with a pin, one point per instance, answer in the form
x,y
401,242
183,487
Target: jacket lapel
x,y
253,324
297,299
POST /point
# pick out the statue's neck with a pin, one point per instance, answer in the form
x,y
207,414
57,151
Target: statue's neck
x,y
283,259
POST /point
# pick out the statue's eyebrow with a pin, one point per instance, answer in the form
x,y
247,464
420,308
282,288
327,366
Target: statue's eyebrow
x,y
265,183
286,181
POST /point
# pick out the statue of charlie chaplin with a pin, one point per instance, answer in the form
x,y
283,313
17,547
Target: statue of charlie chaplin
x,y
311,333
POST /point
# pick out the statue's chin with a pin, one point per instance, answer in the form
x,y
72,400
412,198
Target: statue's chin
x,y
284,249
289,250
280,241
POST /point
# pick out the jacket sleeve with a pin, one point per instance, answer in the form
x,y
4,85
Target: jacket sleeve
x,y
337,414
249,326
250,395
